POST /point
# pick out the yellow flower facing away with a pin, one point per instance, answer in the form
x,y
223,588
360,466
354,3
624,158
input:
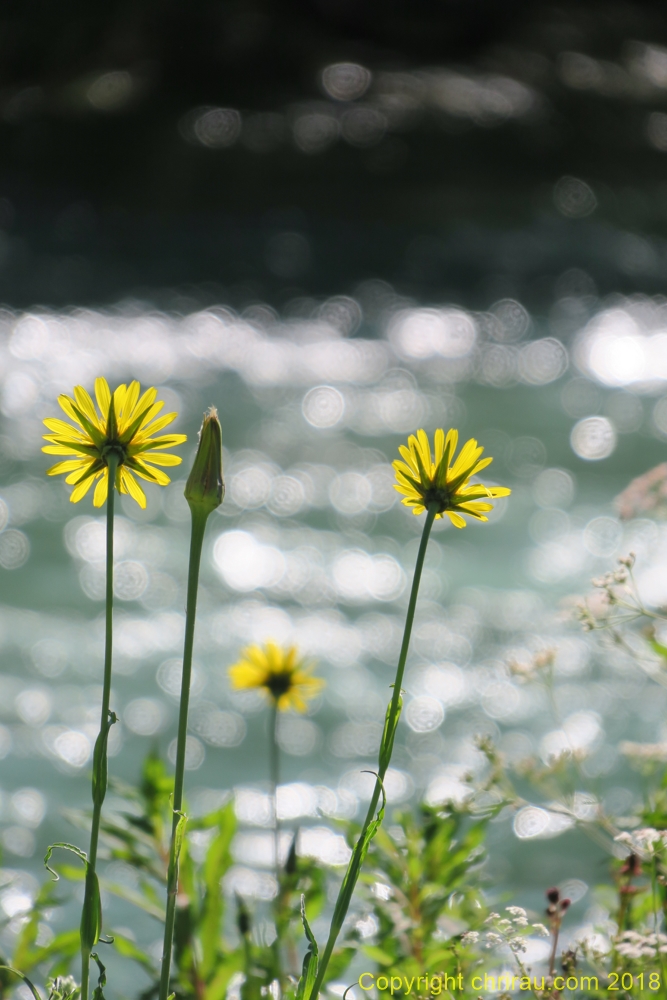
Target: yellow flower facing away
x,y
424,479
124,427
277,671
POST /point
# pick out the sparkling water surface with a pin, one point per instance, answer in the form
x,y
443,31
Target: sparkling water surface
x,y
312,546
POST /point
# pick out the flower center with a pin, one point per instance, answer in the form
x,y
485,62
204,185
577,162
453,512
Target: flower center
x,y
279,684
114,448
439,495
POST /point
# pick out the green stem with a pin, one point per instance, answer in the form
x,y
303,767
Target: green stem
x,y
98,797
393,712
275,779
274,766
196,541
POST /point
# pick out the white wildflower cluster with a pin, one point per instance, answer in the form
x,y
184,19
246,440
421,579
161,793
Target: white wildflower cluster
x,y
633,944
511,930
470,937
644,751
594,947
541,663
616,588
610,579
647,842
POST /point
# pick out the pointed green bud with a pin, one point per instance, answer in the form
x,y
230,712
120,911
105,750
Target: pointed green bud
x,y
205,489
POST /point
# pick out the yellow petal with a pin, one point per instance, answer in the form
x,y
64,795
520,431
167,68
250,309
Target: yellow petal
x,y
475,505
409,459
425,450
499,491
151,475
466,460
147,401
79,474
167,441
157,425
439,446
67,405
157,458
86,405
456,519
452,440
70,466
482,464
103,396
102,487
129,403
62,427
133,487
119,394
79,492
58,449
296,700
409,483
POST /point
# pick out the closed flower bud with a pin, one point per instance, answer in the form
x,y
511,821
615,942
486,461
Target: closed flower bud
x,y
205,489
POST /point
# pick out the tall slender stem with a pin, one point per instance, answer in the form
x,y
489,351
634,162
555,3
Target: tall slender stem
x,y
349,882
274,765
196,541
274,770
89,891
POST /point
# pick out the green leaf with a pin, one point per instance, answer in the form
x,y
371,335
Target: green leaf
x,y
91,915
143,901
224,970
100,768
124,946
658,648
179,833
25,979
218,861
64,945
65,847
98,993
310,961
377,954
388,734
338,963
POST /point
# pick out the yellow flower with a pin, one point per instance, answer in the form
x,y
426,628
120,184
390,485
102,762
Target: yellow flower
x,y
124,427
424,480
279,673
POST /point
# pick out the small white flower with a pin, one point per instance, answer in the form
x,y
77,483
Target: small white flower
x,y
470,937
646,842
541,929
630,951
520,922
516,911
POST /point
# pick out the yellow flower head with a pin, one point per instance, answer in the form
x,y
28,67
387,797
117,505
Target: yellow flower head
x,y
124,428
424,480
279,673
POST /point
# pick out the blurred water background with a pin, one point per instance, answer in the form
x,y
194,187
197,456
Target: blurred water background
x,y
337,224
